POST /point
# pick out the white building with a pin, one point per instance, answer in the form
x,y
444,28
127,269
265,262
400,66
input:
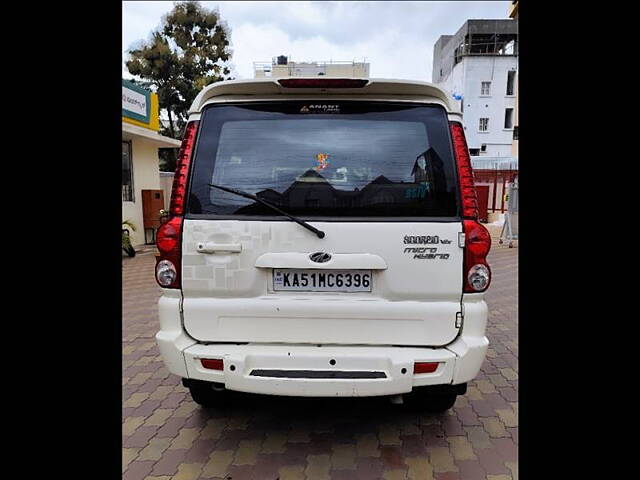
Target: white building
x,y
140,163
478,65
282,66
513,13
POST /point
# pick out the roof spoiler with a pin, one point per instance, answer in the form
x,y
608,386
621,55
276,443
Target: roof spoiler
x,y
322,86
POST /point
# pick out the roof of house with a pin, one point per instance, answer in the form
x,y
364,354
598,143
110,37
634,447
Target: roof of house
x,y
130,131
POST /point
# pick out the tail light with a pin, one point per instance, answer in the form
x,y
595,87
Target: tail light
x,y
477,274
323,82
168,241
465,172
169,236
179,188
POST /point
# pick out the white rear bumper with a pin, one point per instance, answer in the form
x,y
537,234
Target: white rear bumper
x,y
259,369
283,369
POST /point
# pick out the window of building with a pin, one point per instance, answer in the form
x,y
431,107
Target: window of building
x,y
484,125
485,88
515,132
508,118
511,80
127,173
474,152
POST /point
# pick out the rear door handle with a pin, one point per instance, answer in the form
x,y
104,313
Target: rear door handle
x,y
210,247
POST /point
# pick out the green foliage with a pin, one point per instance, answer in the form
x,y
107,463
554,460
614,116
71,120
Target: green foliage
x,y
168,159
128,224
189,52
126,239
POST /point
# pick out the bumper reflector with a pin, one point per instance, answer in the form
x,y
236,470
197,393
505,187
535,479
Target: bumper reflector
x,y
212,363
425,367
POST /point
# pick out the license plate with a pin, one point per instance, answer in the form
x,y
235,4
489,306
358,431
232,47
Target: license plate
x,y
321,280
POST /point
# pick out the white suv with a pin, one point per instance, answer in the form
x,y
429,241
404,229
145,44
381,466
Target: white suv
x,y
324,241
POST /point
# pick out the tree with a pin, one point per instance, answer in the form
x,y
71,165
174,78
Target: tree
x,y
188,52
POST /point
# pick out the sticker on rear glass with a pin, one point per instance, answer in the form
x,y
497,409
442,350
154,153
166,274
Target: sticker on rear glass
x,y
420,191
322,160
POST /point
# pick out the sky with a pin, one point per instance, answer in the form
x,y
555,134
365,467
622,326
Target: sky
x,y
396,38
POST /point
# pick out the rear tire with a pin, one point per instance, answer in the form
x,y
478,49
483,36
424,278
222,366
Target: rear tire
x,y
439,403
206,394
436,399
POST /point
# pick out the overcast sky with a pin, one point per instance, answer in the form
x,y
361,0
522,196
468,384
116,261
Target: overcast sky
x,y
396,38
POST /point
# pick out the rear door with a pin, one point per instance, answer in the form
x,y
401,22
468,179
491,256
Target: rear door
x,y
377,178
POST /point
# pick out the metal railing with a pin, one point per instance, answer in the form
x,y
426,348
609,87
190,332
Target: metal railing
x,y
494,163
268,66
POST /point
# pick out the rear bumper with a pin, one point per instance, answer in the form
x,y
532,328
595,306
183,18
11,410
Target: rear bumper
x,y
253,368
282,369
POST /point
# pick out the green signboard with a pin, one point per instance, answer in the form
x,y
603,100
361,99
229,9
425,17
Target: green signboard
x,y
136,102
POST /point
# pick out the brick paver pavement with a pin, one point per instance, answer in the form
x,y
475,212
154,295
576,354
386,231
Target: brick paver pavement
x,y
166,435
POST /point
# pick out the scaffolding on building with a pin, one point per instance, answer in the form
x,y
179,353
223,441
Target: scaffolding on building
x,y
493,38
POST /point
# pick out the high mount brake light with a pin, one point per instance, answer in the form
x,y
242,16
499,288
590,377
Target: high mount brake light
x,y
323,82
169,236
477,274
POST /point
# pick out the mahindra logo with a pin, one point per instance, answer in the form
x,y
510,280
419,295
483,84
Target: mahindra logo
x,y
320,257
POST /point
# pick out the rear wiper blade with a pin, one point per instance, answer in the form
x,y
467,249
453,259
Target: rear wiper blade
x,y
306,225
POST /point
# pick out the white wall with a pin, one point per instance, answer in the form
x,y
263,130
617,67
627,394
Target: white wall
x,y
466,79
146,175
166,184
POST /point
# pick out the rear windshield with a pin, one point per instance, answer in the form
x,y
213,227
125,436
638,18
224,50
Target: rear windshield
x,y
325,159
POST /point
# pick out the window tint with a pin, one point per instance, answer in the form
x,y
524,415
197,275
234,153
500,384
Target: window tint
x,y
320,159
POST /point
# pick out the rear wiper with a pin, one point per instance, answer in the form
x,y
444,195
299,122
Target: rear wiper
x,y
319,233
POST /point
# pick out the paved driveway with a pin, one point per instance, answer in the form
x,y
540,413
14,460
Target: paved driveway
x,y
166,435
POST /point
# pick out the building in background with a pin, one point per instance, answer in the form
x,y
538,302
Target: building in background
x,y
282,66
478,65
513,13
140,162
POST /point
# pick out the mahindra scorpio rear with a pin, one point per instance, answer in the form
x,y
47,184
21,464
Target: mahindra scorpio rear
x,y
324,241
